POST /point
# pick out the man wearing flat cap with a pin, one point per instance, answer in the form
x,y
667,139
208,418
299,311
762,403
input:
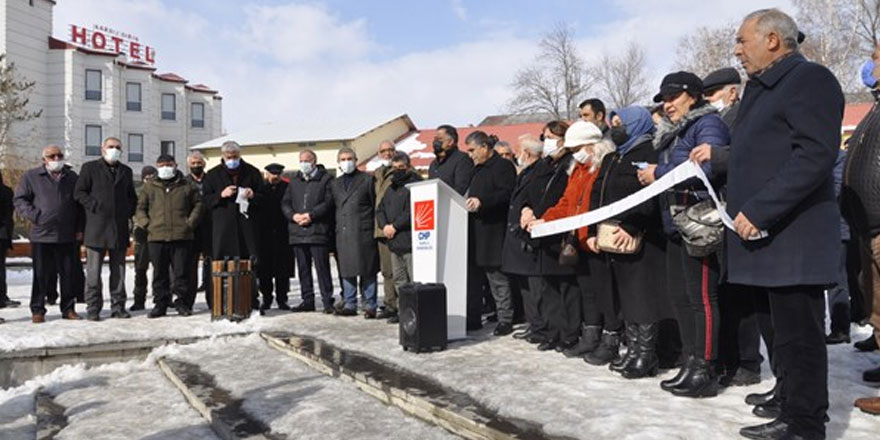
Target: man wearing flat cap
x,y
277,266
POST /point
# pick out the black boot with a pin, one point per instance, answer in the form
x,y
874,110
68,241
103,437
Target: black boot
x,y
608,350
645,363
589,340
632,336
702,382
755,399
685,370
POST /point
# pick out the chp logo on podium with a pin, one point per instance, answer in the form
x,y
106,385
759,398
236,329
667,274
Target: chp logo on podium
x,y
423,224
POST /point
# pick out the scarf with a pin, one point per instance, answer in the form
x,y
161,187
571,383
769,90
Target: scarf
x,y
639,126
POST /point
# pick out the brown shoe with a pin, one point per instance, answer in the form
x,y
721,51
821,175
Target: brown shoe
x,y
73,316
870,405
38,318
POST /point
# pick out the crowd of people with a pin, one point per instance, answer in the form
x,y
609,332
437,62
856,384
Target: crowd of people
x,y
699,302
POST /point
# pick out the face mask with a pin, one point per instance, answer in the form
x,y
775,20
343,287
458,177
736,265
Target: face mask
x,y
232,163
399,176
551,146
166,172
347,166
868,74
438,147
719,105
384,162
618,135
54,166
306,167
581,156
112,155
197,171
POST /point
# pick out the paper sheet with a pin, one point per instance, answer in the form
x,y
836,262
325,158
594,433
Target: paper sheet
x,y
242,201
678,175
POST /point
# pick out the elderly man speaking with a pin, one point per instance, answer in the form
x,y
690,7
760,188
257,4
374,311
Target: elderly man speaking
x,y
780,181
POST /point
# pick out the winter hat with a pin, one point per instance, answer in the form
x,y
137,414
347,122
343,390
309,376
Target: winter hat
x,y
148,170
582,133
720,78
678,82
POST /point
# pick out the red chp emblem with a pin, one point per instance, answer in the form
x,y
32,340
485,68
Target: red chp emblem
x,y
424,216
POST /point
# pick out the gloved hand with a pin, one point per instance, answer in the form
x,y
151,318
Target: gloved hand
x,y
140,234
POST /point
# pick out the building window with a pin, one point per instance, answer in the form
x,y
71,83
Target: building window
x,y
198,115
93,85
93,140
169,112
133,97
135,148
167,147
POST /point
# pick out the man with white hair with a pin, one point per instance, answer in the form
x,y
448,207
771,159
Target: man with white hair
x,y
233,231
781,196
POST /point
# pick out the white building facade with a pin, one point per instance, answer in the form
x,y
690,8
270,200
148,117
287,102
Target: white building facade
x,y
87,95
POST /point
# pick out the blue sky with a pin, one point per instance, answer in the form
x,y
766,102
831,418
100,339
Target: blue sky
x,y
358,62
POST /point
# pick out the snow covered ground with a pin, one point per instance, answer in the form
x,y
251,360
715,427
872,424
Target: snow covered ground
x,y
566,396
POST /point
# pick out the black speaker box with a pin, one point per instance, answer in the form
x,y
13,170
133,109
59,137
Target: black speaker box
x,y
422,312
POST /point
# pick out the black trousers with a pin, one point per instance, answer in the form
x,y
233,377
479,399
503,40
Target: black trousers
x,y
78,282
561,304
193,276
739,344
4,289
141,265
319,254
271,280
518,290
50,259
693,290
532,309
170,258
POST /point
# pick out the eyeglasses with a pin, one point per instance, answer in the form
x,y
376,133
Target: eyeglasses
x,y
387,150
54,156
118,147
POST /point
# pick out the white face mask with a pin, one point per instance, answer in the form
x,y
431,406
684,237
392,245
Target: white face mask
x,y
306,168
551,146
166,172
54,166
346,166
582,156
112,155
719,105
384,162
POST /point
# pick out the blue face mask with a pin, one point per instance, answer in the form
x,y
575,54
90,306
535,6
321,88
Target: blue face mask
x,y
868,74
232,163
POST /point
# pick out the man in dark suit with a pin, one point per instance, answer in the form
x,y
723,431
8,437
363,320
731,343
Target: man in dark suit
x,y
781,196
276,266
106,190
450,165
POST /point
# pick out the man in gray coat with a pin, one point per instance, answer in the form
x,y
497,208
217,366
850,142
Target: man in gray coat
x,y
106,190
44,196
355,199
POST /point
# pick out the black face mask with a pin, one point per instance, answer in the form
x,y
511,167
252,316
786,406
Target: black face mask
x,y
197,171
438,146
399,176
618,135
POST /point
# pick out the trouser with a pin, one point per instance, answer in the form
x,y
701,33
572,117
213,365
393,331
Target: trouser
x,y
4,289
516,298
271,278
192,285
47,259
368,291
838,297
531,300
141,265
475,280
739,344
402,268
591,314
78,279
798,316
94,285
305,255
499,285
693,289
170,258
872,274
386,265
561,304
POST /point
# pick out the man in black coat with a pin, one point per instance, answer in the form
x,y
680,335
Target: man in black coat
x,y
275,262
106,190
450,165
7,227
487,200
141,253
780,181
308,207
202,243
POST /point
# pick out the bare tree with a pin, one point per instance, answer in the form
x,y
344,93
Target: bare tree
x,y
14,92
832,37
622,79
866,13
555,81
706,49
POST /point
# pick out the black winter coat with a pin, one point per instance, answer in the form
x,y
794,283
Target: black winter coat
x,y
641,277
7,224
492,184
456,170
314,197
394,209
780,177
274,252
202,240
548,247
520,253
233,234
109,201
357,251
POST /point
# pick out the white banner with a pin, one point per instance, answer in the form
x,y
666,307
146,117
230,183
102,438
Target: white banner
x,y
678,175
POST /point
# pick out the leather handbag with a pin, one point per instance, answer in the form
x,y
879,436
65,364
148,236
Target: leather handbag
x,y
701,228
605,239
569,255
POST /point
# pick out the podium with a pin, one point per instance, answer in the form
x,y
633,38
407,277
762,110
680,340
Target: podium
x,y
439,246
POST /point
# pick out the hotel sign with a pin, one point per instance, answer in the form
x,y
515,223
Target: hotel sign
x,y
106,39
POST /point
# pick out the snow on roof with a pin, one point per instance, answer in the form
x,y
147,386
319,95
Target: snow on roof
x,y
302,130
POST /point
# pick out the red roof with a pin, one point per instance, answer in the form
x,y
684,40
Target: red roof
x,y
170,77
507,133
55,43
201,88
854,113
136,65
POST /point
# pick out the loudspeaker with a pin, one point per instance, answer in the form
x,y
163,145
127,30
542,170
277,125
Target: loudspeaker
x,y
422,312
